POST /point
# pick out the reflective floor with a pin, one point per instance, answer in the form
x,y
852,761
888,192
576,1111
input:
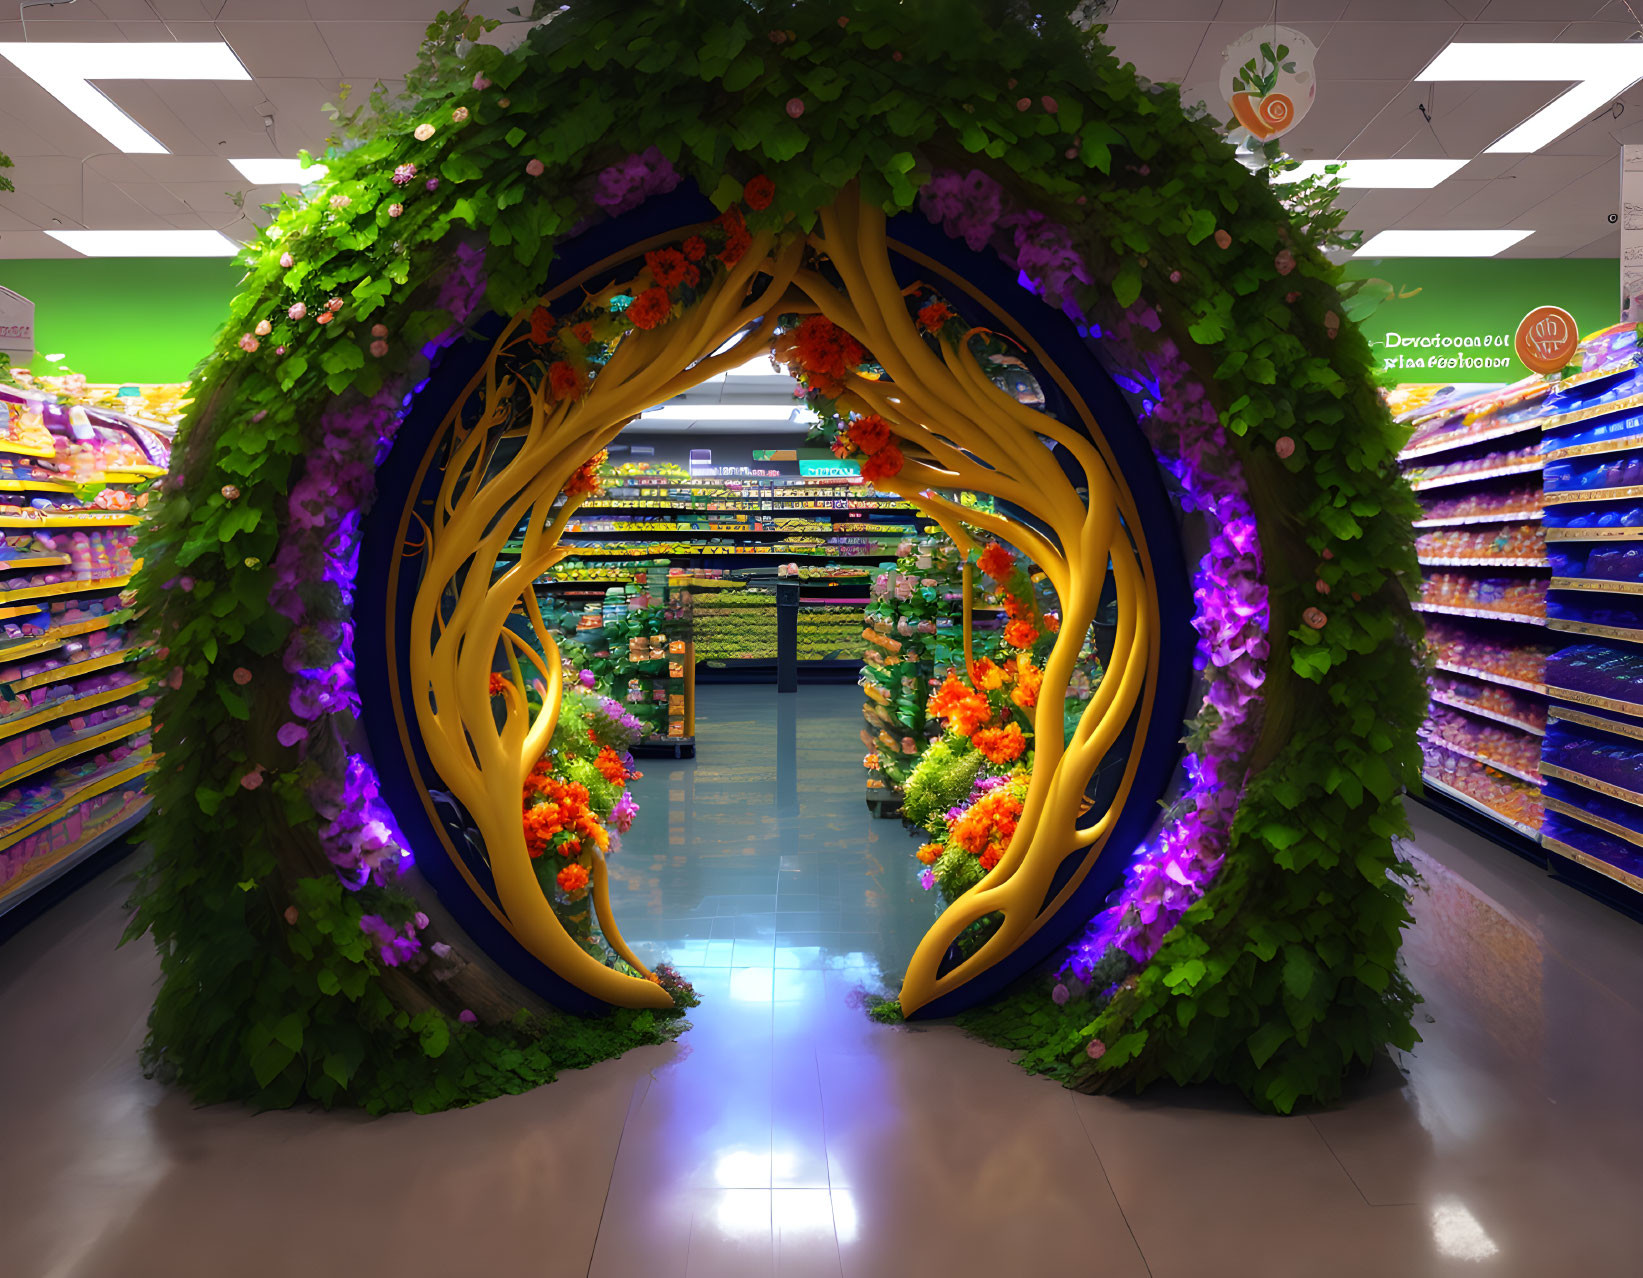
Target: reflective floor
x,y
786,1134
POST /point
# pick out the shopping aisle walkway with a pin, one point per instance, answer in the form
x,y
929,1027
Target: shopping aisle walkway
x,y
787,1134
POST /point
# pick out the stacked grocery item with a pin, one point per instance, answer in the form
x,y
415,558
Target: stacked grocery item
x,y
1491,504
1508,545
74,715
1464,594
735,623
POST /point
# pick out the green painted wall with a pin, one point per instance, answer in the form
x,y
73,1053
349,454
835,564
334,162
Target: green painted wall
x,y
1444,319
125,319
152,319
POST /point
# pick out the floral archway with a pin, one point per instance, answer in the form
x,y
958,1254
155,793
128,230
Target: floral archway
x,y
1262,917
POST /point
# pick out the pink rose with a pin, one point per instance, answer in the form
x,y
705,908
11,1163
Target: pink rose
x,y
297,312
535,168
795,107
252,780
242,676
1284,446
291,915
1096,1050
287,261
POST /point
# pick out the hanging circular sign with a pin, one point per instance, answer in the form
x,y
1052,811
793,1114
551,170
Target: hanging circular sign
x,y
1546,339
1268,81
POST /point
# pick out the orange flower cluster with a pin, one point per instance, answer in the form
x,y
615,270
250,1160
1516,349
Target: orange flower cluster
x,y
650,308
997,562
1001,745
1020,634
930,853
824,353
933,315
964,709
498,683
871,436
555,808
986,676
1028,679
758,193
670,268
737,239
564,380
586,477
987,826
611,767
573,878
884,464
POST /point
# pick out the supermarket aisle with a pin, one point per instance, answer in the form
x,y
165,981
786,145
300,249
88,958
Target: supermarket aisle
x,y
785,1133
760,852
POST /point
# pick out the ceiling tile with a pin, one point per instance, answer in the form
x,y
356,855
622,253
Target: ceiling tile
x,y
369,50
1255,12
30,244
1161,51
281,48
1567,10
1380,50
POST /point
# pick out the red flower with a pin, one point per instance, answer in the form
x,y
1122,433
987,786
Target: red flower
x,y
758,193
825,354
884,464
564,380
1020,634
990,857
870,433
737,240
650,308
997,562
586,478
573,878
498,683
670,268
1052,623
541,325
934,315
842,447
695,248
583,332
610,766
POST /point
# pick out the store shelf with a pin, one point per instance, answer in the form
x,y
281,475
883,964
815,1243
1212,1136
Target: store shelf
x,y
1489,676
1616,726
26,450
93,739
1556,772
1483,613
1493,517
63,588
35,486
1591,862
52,638
71,669
1445,444
1572,533
1587,699
1501,562
132,474
1459,796
1569,496
1555,804
10,727
83,519
35,561
1472,707
1598,584
1620,444
1592,412
1477,476
1464,753
89,788
1596,374
1597,632
35,878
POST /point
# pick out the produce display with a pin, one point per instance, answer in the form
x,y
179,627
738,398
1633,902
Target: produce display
x,y
1486,656
1521,545
1511,597
1482,505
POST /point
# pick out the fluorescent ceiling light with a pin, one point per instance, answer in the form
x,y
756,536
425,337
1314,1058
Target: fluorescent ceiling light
x,y
1379,174
148,243
279,172
1600,72
1440,243
773,413
65,70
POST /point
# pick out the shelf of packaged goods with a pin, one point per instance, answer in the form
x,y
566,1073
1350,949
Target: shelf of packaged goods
x,y
1500,562
35,486
46,642
1463,752
1491,517
1591,412
72,669
1622,877
1485,614
1555,804
1597,584
35,561
1597,632
90,788
1571,532
1477,805
92,739
37,877
1472,476
1596,374
20,610
1616,726
10,727
753,508
1447,444
1623,444
84,519
1489,676
63,588
1556,772
727,530
1472,707
1588,699
1569,496
692,552
19,449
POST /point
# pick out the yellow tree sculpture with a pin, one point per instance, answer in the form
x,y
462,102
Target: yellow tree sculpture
x,y
967,434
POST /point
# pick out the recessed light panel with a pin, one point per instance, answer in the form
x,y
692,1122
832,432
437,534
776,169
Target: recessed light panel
x,y
162,243
1378,174
279,172
1440,243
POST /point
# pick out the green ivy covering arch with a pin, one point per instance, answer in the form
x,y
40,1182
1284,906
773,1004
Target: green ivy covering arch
x,y
1282,976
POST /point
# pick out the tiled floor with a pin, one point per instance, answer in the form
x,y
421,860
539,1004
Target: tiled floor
x,y
786,1134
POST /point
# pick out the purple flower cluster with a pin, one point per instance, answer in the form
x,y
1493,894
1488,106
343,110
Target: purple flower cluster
x,y
612,725
624,812
969,206
395,946
356,826
982,786
975,208
629,183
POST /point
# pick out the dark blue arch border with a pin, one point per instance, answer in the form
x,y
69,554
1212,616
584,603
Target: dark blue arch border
x,y
1060,341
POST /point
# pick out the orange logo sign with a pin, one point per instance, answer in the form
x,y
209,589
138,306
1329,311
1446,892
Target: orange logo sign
x,y
1546,339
